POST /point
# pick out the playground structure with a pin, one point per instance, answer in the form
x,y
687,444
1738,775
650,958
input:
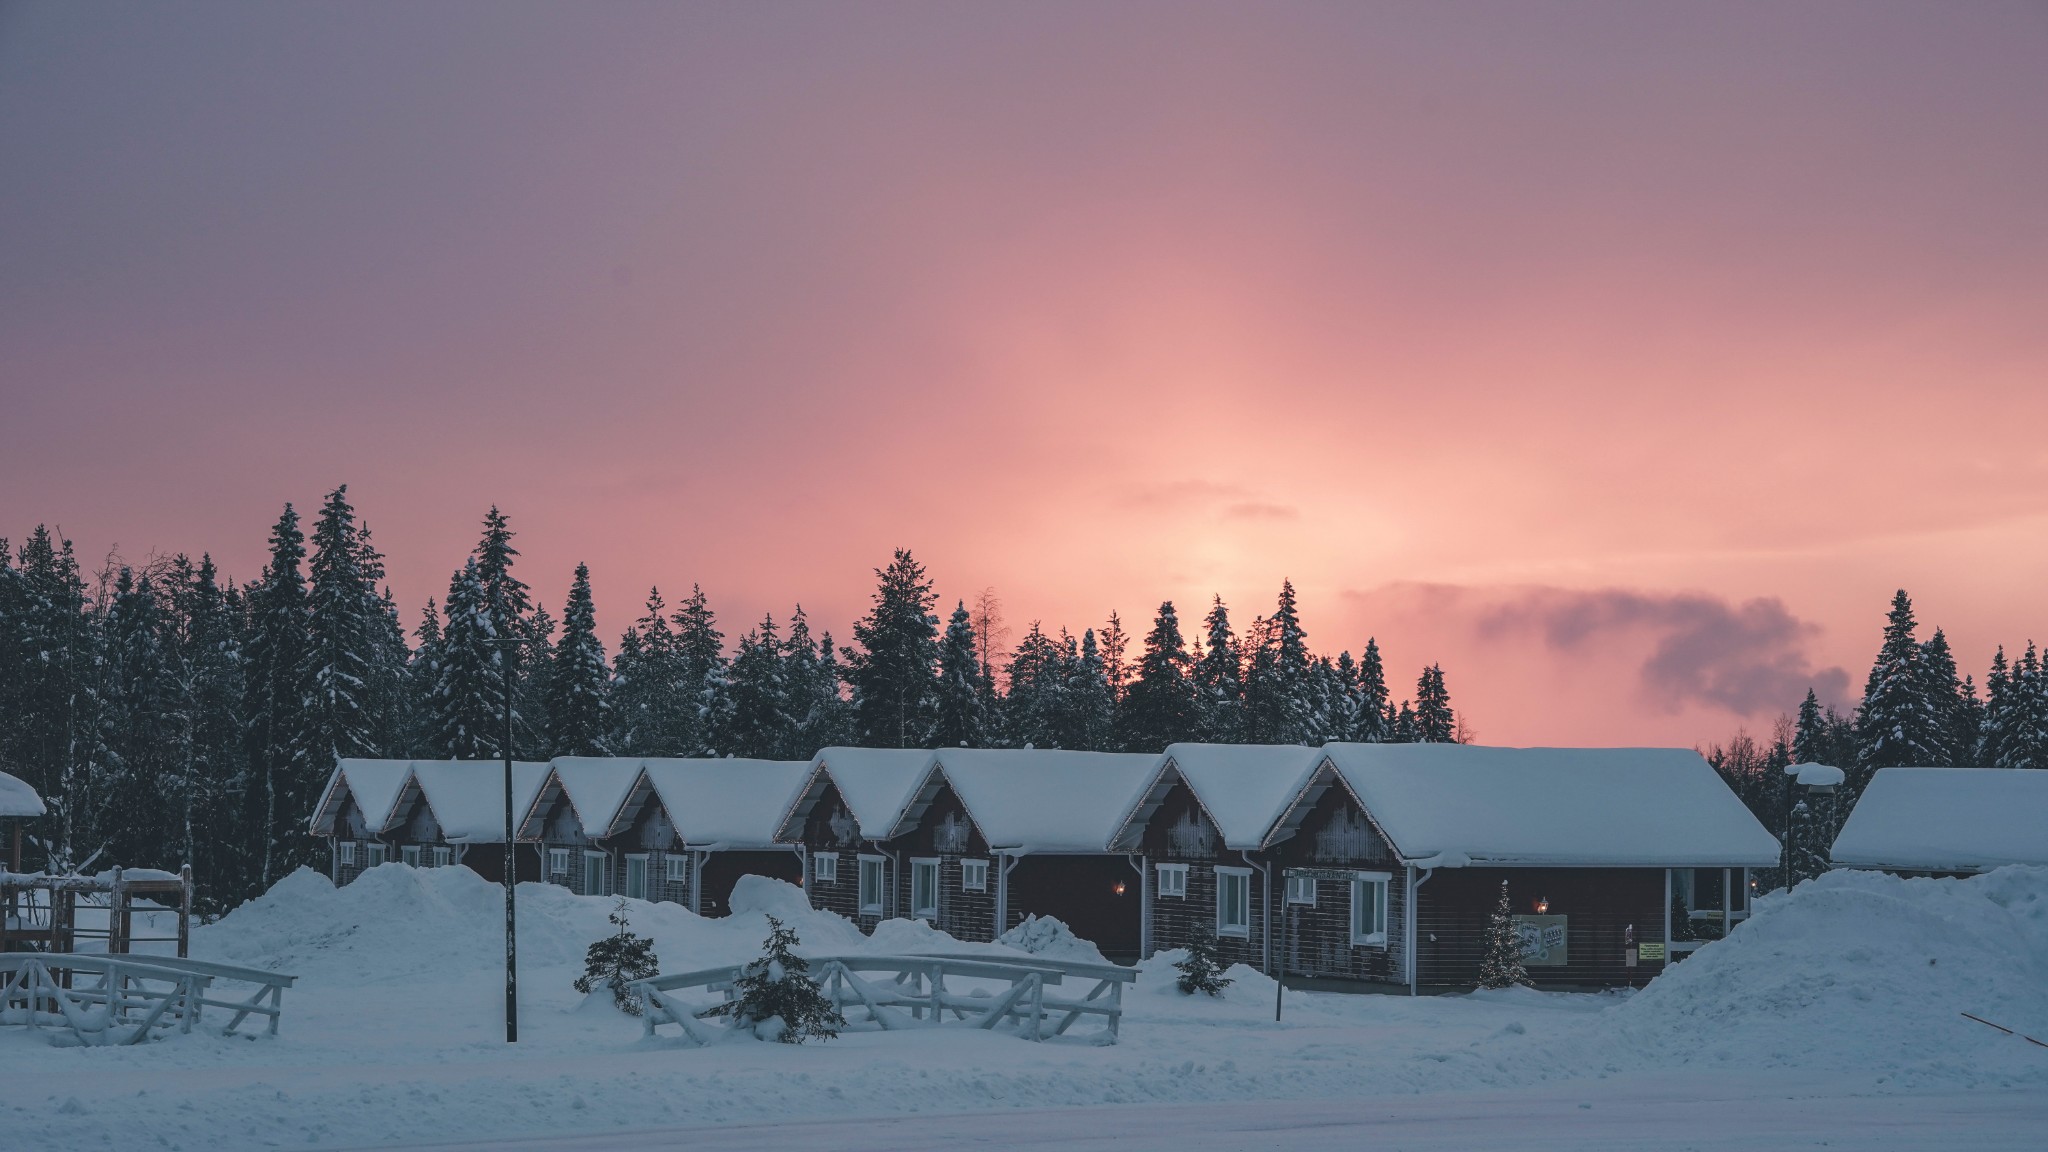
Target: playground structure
x,y
39,912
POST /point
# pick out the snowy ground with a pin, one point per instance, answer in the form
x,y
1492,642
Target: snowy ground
x,y
1831,1017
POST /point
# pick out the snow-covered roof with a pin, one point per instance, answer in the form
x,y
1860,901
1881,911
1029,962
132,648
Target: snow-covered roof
x,y
1947,820
1242,788
1453,804
468,796
18,799
733,802
875,783
375,785
595,785
1037,800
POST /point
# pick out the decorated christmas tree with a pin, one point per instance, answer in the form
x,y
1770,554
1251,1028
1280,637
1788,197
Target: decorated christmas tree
x,y
1681,919
618,960
1200,972
778,998
1501,966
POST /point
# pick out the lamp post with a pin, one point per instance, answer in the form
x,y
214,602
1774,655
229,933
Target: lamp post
x,y
1804,780
506,646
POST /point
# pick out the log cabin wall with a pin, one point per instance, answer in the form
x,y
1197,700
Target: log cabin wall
x,y
946,833
830,828
1179,833
353,830
562,831
1598,904
651,833
1314,940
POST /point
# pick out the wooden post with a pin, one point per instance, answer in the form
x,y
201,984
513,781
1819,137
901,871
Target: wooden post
x,y
185,911
117,915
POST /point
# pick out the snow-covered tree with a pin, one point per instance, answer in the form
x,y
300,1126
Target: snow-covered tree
x,y
960,721
579,684
1278,690
1375,720
1435,722
1219,680
1038,683
1898,722
343,657
1159,707
1500,962
469,691
1199,970
760,723
894,669
817,697
777,998
1088,718
284,782
703,675
617,960
2024,743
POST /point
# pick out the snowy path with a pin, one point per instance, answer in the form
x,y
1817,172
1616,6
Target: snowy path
x,y
1666,1112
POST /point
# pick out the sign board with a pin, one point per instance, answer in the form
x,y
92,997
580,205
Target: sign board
x,y
1649,951
1543,941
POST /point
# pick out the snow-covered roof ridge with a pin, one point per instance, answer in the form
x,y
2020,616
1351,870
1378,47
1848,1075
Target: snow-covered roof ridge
x,y
738,803
1947,820
1242,787
875,783
375,785
468,796
596,786
1616,807
18,799
1042,800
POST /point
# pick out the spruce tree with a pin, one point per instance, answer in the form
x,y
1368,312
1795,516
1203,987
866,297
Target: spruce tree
x,y
760,722
1898,722
1199,970
2025,741
1219,680
148,727
1115,644
422,672
617,960
1500,964
961,722
342,656
650,716
284,782
703,674
1090,712
817,701
1037,697
579,684
1278,689
1810,736
1949,744
1374,723
777,998
469,690
1435,722
894,671
1159,707
1403,726
1998,708
209,831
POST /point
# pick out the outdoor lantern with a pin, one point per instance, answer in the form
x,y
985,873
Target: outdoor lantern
x,y
1542,904
1119,888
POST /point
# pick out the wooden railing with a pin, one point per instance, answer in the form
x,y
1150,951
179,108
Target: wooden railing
x,y
901,992
124,999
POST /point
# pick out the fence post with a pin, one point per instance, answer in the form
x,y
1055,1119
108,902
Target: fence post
x,y
185,910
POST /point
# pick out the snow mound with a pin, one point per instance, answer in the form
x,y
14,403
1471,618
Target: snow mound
x,y
1871,970
1051,938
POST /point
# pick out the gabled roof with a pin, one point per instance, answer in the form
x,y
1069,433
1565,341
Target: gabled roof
x,y
18,799
875,783
731,802
468,796
1947,820
1241,787
1035,800
595,785
375,785
1453,804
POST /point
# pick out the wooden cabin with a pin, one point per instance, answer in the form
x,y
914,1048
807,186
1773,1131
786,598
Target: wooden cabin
x,y
19,804
453,812
353,812
690,828
1198,825
843,817
1392,859
572,815
1946,821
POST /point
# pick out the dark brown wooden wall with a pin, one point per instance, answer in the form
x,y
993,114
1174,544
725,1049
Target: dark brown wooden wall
x,y
1175,835
1454,906
1316,940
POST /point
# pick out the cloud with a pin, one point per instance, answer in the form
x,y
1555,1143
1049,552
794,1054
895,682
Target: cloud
x,y
1261,510
1748,658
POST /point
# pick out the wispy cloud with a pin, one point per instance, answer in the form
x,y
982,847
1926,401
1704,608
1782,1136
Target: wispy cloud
x,y
1261,510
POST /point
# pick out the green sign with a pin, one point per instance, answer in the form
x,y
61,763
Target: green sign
x,y
1650,951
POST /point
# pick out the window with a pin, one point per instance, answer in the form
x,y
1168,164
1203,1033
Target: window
x,y
871,884
558,862
974,875
443,857
410,854
347,848
636,876
678,868
1301,890
1369,908
1173,880
1234,902
825,866
593,874
376,853
924,889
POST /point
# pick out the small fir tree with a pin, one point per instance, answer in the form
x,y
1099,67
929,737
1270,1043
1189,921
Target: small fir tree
x,y
1501,965
1201,972
1681,919
777,994
618,960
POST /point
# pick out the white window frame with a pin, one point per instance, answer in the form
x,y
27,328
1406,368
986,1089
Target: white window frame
x,y
409,855
443,856
633,858
675,868
974,875
1301,890
872,894
825,867
347,850
924,868
1241,880
558,862
604,879
375,853
1173,881
1374,934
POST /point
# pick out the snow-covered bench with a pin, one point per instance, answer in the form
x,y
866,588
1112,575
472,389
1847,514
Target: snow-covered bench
x,y
911,992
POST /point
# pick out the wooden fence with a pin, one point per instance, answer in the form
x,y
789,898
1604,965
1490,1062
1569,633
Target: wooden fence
x,y
98,1000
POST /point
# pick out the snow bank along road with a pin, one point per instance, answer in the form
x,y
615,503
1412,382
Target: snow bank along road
x,y
1832,1016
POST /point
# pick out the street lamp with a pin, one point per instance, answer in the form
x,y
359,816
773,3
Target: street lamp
x,y
506,645
1805,780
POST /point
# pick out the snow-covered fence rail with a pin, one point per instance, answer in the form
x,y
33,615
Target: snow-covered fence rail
x,y
899,992
124,999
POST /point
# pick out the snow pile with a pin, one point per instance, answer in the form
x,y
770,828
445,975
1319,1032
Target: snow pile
x,y
1052,939
1867,970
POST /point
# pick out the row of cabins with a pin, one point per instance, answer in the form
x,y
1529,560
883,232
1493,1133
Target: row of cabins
x,y
1374,863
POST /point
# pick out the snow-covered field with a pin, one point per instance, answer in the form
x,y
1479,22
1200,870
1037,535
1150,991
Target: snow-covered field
x,y
1831,1017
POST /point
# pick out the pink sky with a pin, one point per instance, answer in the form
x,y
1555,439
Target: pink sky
x,y
1539,340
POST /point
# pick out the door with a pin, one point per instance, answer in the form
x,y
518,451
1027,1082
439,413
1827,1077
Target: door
x,y
636,877
924,889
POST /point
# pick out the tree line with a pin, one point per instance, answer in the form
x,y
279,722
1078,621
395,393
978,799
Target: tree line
x,y
169,714
1917,710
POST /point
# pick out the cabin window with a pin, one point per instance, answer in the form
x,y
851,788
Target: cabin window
x,y
974,875
924,889
375,853
1301,890
410,854
593,874
636,876
871,884
347,848
825,866
443,857
1369,908
1233,902
678,869
1173,880
558,862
